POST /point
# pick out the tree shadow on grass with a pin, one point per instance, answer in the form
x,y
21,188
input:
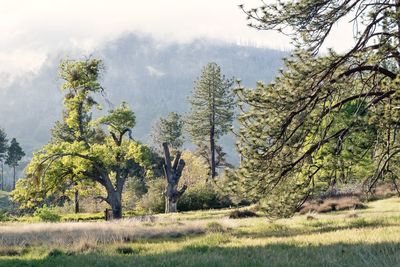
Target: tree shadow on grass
x,y
280,230
340,254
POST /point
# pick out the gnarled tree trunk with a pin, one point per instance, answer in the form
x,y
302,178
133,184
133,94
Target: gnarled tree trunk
x,y
172,175
116,204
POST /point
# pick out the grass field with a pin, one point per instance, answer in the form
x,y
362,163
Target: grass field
x,y
368,237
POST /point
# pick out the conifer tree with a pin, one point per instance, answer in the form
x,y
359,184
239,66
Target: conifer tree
x,y
168,130
3,154
295,131
14,155
211,114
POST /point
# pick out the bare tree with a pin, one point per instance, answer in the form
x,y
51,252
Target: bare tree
x,y
173,174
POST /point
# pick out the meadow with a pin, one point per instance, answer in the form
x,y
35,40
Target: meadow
x,y
366,237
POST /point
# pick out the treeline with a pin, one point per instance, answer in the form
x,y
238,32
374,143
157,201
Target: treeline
x,y
326,121
10,155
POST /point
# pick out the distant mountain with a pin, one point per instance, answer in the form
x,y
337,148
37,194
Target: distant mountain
x,y
154,78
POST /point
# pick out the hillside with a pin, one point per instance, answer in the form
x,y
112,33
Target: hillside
x,y
154,78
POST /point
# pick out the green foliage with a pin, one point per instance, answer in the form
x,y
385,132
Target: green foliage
x,y
195,171
154,199
3,145
120,119
14,153
5,202
81,154
5,217
47,214
168,130
202,196
3,155
327,119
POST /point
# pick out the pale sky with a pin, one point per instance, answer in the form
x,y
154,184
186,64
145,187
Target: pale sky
x,y
32,29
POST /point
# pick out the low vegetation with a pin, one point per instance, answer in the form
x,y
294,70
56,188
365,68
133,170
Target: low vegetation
x,y
5,202
372,238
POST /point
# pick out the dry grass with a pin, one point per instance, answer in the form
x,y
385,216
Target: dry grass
x,y
66,234
370,237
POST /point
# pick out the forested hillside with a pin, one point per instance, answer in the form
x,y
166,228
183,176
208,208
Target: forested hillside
x,y
154,77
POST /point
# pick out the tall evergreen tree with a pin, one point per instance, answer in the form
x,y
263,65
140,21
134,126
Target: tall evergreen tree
x,y
211,114
168,130
3,154
14,155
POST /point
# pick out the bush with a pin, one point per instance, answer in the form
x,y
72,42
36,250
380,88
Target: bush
x,y
47,214
214,227
237,214
154,200
202,196
4,217
196,197
125,250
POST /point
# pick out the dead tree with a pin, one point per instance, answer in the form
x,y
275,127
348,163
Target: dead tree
x,y
172,175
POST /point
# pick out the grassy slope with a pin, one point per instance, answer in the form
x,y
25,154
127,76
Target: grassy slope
x,y
210,239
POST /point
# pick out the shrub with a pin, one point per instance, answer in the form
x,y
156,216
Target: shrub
x,y
237,214
56,253
125,250
202,196
4,217
47,214
214,227
154,200
196,197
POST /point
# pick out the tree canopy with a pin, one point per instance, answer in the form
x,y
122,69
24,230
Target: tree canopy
x,y
80,148
297,131
168,130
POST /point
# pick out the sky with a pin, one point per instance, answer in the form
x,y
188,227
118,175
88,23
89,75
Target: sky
x,y
31,30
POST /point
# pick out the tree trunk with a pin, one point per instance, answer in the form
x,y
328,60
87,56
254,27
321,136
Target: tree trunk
x,y
212,151
171,205
172,175
116,204
76,201
14,178
2,176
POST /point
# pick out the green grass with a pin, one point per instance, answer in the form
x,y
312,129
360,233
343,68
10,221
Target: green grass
x,y
210,238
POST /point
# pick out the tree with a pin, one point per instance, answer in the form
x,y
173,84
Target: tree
x,y
168,130
211,114
3,154
173,174
90,154
14,155
290,127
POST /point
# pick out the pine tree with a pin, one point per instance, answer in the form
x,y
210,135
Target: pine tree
x,y
211,113
3,154
14,155
295,133
168,130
